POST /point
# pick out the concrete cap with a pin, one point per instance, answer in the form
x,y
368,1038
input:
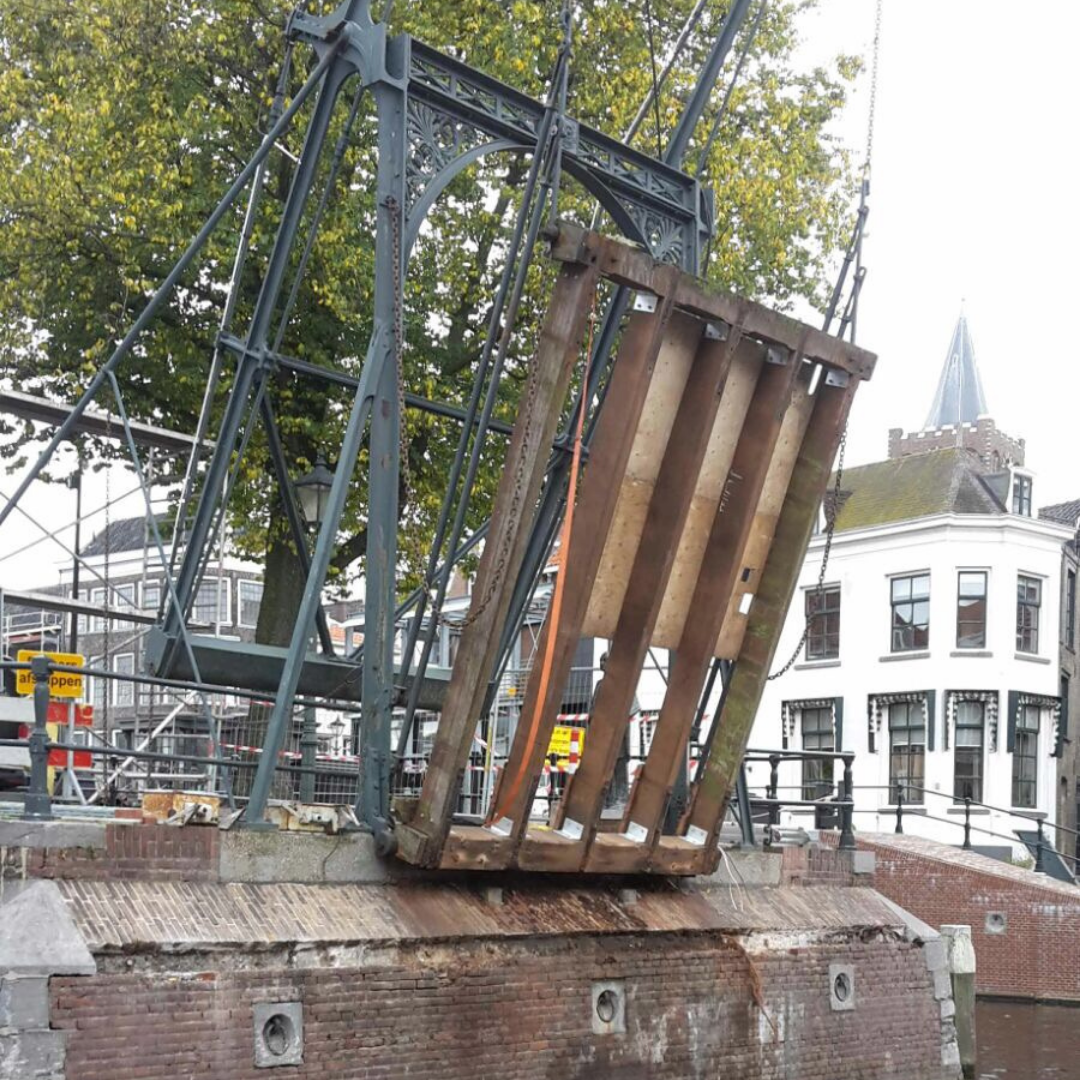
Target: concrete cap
x,y
37,933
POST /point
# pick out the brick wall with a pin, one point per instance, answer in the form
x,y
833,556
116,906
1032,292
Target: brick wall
x,y
152,852
1035,955
816,864
522,1010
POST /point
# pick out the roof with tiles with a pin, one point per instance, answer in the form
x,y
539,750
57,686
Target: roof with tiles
x,y
951,481
1067,513
124,534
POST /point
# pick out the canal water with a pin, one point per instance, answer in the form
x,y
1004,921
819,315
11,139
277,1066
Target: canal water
x,y
1019,1041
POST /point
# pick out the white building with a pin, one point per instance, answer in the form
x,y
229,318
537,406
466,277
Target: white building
x,y
931,650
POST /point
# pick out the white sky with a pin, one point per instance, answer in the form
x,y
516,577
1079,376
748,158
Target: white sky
x,y
972,199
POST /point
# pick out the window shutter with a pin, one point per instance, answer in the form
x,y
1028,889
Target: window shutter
x,y
1063,718
931,710
838,721
1014,710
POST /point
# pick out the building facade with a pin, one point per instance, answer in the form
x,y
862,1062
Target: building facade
x,y
1068,792
932,639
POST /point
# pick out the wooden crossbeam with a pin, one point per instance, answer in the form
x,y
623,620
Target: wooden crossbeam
x,y
722,567
636,268
422,840
716,775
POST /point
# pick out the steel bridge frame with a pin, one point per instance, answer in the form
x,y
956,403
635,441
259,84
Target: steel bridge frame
x,y
435,118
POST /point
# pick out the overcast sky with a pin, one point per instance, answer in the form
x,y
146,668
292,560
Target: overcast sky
x,y
973,200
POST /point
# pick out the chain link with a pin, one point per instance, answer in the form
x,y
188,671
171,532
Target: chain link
x,y
830,528
873,89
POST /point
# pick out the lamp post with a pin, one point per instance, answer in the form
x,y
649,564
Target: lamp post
x,y
337,729
312,491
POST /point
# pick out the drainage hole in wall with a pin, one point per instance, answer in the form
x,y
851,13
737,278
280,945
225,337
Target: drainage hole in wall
x,y
607,1005
278,1034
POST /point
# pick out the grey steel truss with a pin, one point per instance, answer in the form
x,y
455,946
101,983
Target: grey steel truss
x,y
435,117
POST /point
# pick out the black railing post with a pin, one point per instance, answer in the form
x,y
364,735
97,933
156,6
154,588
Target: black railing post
x,y
1039,868
37,805
746,815
774,789
967,823
899,810
847,833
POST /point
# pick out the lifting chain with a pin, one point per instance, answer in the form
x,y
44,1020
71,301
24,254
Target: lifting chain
x,y
873,88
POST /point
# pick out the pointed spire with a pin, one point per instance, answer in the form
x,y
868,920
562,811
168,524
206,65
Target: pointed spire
x,y
959,398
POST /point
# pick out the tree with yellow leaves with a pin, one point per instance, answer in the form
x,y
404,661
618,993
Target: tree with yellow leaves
x,y
122,123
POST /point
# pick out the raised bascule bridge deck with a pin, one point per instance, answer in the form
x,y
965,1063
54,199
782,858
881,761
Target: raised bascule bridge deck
x,y
704,477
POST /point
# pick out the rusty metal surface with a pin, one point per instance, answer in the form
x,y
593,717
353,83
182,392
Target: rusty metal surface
x,y
184,916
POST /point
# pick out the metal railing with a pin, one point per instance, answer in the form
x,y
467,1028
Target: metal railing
x,y
901,806
838,805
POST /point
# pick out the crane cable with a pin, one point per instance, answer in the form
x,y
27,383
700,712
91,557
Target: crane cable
x,y
831,512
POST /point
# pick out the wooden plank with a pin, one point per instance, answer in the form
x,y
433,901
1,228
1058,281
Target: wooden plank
x,y
733,628
722,566
734,404
716,777
688,429
640,346
470,847
635,268
422,840
636,486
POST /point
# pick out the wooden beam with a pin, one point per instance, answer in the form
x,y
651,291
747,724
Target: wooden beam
x,y
421,841
687,432
636,268
731,730
630,377
722,566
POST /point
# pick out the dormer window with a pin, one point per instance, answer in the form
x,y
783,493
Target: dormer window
x,y
1021,498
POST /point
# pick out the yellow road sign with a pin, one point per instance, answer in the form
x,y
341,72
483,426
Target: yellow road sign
x,y
560,741
62,684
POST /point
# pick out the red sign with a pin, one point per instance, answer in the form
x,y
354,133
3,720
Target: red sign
x,y
56,723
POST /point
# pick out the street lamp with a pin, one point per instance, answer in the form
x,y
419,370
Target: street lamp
x,y
313,491
337,729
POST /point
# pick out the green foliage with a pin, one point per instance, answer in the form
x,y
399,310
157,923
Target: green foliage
x,y
121,124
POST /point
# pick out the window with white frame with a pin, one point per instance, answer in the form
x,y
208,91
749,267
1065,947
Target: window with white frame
x,y
910,598
971,609
211,602
249,599
95,690
1025,772
1028,603
97,622
818,733
823,623
123,690
1021,500
907,751
970,723
151,600
124,598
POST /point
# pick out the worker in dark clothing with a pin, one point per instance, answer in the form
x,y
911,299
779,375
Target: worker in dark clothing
x,y
618,789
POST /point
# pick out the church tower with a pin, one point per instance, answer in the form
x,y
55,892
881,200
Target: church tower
x,y
958,415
